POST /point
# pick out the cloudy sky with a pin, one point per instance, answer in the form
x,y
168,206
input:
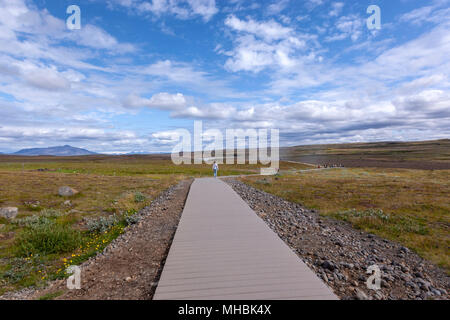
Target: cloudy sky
x,y
138,70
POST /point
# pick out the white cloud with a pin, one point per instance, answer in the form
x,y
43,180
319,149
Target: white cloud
x,y
336,8
311,4
260,45
47,79
166,137
347,27
277,6
437,12
183,9
163,101
269,30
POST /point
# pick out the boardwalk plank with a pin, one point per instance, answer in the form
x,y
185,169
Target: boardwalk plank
x,y
223,250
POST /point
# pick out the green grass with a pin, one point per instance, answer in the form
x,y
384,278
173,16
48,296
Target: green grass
x,y
47,239
117,166
407,206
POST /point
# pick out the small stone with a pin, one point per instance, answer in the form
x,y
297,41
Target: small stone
x,y
128,279
379,295
360,295
443,291
338,243
9,212
67,191
67,203
328,265
411,284
404,249
436,292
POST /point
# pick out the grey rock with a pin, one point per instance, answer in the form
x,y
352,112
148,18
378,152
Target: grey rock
x,y
67,191
9,212
328,265
360,295
338,243
379,295
404,250
436,292
411,284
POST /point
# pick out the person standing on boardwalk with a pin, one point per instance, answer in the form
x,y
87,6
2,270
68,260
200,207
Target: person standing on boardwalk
x,y
215,168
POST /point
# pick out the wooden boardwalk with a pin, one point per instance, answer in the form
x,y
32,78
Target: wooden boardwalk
x,y
223,250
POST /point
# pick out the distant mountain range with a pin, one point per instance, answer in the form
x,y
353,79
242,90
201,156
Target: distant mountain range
x,y
54,151
137,153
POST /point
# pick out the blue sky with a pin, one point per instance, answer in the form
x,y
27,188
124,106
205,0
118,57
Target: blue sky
x,y
138,70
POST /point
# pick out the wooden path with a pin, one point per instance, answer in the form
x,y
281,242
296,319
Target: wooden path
x,y
223,250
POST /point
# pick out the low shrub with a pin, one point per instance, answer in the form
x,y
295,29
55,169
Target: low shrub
x,y
130,217
33,222
45,218
369,213
139,197
51,213
47,239
19,269
102,224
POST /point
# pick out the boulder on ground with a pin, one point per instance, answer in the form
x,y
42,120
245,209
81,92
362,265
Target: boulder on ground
x,y
67,191
9,212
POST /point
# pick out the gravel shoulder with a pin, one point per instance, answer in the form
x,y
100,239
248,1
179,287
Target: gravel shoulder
x,y
340,254
129,268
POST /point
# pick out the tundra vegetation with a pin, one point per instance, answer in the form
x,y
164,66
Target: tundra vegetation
x,y
52,232
408,206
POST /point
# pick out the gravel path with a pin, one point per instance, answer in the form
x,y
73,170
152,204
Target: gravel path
x,y
340,255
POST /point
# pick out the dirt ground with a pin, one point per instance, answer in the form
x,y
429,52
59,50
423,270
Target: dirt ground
x,y
130,267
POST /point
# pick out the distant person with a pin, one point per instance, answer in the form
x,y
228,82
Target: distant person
x,y
215,168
